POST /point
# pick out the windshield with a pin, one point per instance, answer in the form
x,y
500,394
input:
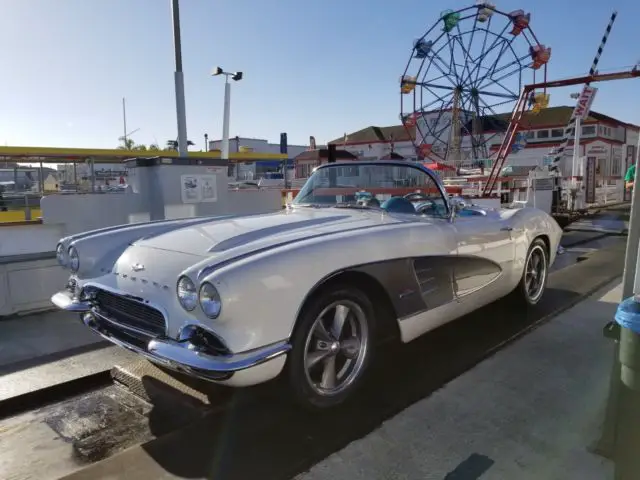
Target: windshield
x,y
395,188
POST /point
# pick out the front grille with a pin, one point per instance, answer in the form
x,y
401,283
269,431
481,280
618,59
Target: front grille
x,y
131,313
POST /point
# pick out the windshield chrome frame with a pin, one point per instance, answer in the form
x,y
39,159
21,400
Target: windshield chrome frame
x,y
394,163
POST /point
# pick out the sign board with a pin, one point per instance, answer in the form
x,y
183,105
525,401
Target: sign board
x,y
596,149
543,183
590,181
583,106
198,188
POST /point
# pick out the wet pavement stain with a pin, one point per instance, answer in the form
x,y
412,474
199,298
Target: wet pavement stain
x,y
101,423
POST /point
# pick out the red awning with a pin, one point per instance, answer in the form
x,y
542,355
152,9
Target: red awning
x,y
438,166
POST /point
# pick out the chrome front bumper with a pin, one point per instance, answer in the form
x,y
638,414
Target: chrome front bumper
x,y
182,356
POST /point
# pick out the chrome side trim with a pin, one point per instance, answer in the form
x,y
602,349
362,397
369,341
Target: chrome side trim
x,y
65,300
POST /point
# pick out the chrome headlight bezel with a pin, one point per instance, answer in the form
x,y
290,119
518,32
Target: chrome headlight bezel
x,y
61,255
209,300
187,293
74,259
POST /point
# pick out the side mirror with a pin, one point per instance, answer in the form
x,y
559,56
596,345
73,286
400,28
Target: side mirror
x,y
456,204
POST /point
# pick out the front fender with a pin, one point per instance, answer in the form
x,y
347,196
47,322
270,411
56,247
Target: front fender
x,y
262,294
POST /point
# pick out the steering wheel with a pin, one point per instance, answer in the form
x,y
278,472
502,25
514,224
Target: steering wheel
x,y
416,196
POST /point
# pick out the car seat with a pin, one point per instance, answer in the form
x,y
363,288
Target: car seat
x,y
398,205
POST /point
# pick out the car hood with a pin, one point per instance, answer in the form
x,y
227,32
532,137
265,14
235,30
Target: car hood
x,y
259,231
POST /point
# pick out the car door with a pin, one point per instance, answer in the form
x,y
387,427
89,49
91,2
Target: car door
x,y
485,252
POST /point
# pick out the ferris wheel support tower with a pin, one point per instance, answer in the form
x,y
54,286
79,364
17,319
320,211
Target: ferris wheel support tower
x,y
559,152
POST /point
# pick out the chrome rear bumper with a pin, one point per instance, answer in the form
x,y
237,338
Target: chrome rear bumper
x,y
182,356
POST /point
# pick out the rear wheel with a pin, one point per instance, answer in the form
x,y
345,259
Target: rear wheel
x,y
534,278
332,347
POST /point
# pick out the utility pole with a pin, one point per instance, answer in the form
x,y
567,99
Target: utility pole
x,y
181,110
124,121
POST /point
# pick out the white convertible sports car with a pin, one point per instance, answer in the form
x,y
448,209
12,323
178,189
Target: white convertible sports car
x,y
365,249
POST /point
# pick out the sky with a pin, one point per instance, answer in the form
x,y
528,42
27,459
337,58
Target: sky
x,y
317,68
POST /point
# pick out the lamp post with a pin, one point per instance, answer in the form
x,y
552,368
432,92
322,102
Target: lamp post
x,y
236,76
576,156
179,81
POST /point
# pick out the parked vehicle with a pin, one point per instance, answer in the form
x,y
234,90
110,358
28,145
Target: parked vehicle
x,y
365,249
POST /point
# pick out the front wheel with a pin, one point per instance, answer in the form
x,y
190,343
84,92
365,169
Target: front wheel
x,y
332,347
534,278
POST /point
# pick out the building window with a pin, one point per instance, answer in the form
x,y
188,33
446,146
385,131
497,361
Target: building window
x,y
543,134
557,133
604,131
589,130
616,166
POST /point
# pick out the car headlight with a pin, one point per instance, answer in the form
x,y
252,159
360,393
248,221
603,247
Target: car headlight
x,y
209,299
74,259
187,293
62,260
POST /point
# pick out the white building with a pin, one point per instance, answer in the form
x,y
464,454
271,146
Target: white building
x,y
255,170
610,142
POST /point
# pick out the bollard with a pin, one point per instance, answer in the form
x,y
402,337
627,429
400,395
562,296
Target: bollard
x,y
627,441
27,209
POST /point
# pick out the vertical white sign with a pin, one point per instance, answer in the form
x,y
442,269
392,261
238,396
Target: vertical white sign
x,y
585,100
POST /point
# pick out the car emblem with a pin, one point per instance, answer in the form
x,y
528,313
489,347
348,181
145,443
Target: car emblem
x,y
137,267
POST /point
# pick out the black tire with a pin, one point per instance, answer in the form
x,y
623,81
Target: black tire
x,y
305,390
523,293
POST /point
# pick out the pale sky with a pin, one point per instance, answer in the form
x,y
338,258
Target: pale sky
x,y
311,68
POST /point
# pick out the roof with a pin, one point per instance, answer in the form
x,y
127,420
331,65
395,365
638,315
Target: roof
x,y
549,116
373,134
392,156
321,153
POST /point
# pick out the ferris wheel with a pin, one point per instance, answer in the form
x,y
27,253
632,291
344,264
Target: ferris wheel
x,y
464,77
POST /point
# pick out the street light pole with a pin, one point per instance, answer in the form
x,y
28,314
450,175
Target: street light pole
x,y
226,118
181,111
631,274
124,121
236,76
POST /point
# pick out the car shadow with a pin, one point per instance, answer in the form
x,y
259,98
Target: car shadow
x,y
260,433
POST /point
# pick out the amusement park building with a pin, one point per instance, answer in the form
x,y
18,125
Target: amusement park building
x,y
610,141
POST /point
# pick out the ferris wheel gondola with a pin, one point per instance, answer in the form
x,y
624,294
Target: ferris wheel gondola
x,y
463,74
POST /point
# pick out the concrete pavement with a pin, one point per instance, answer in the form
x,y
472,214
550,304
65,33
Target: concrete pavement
x,y
38,338
528,412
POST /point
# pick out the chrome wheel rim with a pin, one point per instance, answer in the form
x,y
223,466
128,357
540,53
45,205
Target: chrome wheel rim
x,y
336,348
535,273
